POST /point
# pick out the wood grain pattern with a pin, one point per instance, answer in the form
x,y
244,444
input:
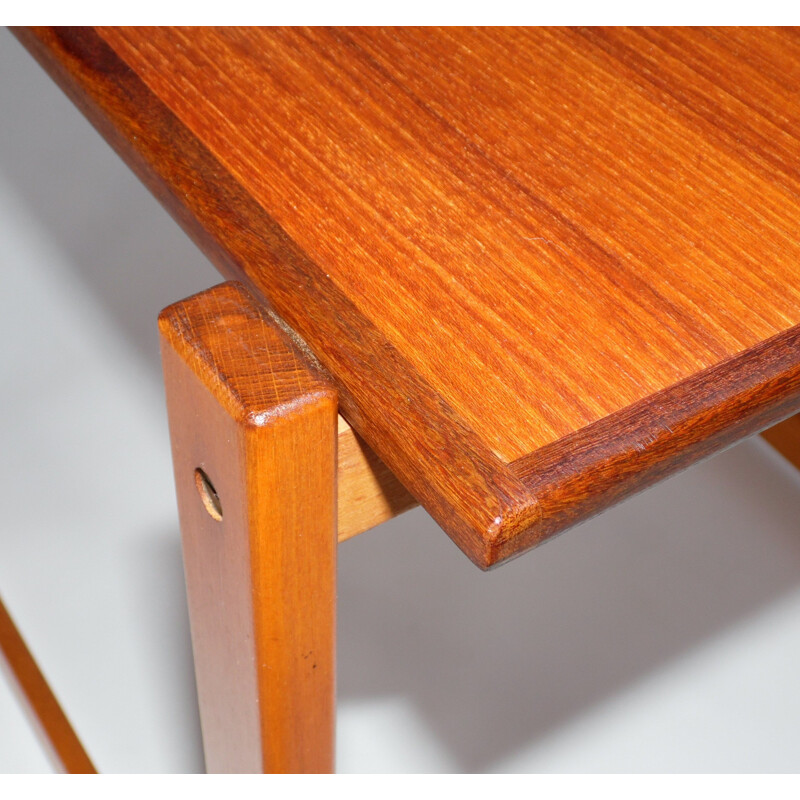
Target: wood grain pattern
x,y
507,247
246,409
57,733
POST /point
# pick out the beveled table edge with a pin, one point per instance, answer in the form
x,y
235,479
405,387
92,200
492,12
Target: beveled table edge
x,y
492,510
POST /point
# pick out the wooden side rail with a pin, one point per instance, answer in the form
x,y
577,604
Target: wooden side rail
x,y
369,493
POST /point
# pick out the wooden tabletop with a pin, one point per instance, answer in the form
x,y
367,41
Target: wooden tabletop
x,y
544,267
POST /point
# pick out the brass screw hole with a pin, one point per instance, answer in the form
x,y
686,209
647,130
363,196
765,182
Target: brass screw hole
x,y
208,494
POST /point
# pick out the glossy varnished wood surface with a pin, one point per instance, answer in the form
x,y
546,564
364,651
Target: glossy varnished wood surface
x,y
543,267
247,409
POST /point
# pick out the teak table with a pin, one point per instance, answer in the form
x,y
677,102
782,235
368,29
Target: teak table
x,y
534,270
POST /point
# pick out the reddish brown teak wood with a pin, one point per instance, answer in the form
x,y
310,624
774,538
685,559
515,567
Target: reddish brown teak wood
x,y
543,267
59,736
785,438
254,430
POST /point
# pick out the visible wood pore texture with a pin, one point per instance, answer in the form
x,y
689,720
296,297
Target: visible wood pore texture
x,y
58,735
259,531
544,267
785,438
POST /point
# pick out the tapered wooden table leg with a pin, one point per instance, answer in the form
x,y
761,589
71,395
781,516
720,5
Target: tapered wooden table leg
x,y
253,429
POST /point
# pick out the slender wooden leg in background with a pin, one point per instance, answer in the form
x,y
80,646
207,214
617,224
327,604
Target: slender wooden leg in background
x,y
57,733
785,438
253,429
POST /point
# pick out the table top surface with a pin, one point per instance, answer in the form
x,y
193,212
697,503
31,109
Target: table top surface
x,y
545,267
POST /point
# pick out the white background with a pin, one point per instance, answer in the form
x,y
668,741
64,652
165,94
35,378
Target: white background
x,y
661,636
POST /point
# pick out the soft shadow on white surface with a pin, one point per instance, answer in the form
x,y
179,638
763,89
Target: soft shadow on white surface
x,y
579,656
127,252
89,551
496,663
